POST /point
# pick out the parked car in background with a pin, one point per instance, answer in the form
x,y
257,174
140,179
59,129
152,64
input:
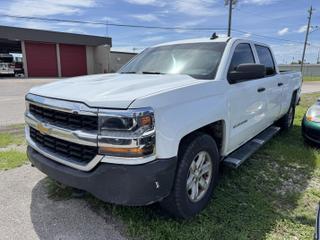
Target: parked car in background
x,y
311,124
317,225
7,65
159,129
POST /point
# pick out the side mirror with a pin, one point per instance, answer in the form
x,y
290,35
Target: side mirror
x,y
245,72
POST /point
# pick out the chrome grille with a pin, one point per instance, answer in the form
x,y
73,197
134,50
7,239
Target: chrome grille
x,y
64,119
71,151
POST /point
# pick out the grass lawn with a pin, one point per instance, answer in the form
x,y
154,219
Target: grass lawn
x,y
12,159
7,139
10,155
311,78
272,196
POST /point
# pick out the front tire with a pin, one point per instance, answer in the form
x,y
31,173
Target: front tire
x,y
196,177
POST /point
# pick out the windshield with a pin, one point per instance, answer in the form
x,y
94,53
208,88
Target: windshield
x,y
199,60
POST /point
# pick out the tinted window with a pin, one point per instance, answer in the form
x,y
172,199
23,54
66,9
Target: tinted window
x,y
266,59
199,60
242,54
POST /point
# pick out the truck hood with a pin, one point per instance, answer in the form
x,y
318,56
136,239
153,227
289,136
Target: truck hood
x,y
112,90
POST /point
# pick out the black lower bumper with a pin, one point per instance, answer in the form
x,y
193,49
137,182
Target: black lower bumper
x,y
132,185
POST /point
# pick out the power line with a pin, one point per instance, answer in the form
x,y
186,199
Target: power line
x,y
268,37
111,24
145,26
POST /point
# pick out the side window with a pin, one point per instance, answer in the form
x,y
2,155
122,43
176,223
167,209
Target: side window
x,y
242,54
266,59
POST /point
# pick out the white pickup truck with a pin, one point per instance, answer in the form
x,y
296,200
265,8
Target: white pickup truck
x,y
160,128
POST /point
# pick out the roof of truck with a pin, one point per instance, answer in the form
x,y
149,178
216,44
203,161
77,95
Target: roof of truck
x,y
203,40
195,40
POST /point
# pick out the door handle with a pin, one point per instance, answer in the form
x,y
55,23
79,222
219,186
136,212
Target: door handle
x,y
280,84
261,89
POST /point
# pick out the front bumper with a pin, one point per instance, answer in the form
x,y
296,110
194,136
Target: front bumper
x,y
132,185
311,131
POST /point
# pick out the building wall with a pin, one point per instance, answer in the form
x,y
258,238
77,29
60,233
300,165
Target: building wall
x,y
118,59
308,69
101,59
90,59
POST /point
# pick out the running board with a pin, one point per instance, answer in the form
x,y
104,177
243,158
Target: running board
x,y
236,158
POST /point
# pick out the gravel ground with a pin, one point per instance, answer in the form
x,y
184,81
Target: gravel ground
x,y
27,212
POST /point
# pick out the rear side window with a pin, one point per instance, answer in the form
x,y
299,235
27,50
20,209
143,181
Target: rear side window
x,y
266,59
242,54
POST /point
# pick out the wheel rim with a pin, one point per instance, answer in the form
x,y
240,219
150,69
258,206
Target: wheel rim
x,y
199,176
290,117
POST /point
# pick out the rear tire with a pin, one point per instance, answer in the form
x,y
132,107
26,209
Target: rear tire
x,y
286,122
197,175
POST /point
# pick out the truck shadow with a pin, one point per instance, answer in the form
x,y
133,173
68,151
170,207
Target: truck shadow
x,y
63,217
248,203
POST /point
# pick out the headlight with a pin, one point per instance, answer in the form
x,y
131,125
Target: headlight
x,y
313,114
128,133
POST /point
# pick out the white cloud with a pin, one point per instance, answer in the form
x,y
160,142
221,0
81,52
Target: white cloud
x,y
197,8
36,25
188,7
302,29
260,2
146,17
222,35
283,31
189,24
109,20
153,39
147,2
76,30
42,8
247,35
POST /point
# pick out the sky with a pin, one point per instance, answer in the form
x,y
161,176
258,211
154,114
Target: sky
x,y
276,20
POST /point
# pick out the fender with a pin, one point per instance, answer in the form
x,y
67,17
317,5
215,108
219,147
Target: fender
x,y
185,110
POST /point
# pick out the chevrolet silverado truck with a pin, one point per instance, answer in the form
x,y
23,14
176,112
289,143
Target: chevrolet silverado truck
x,y
159,129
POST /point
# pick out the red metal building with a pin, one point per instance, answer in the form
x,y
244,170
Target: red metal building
x,y
57,54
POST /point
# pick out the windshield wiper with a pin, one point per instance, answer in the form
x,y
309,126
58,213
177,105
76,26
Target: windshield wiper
x,y
128,72
152,73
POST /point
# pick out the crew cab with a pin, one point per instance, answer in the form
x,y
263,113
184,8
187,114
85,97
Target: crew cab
x,y
160,128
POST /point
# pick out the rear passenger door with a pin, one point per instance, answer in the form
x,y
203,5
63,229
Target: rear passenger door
x,y
247,101
273,83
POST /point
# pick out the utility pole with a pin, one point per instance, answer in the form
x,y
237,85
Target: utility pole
x,y
318,59
306,38
230,3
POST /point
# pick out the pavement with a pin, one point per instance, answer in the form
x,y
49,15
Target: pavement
x,y
27,213
12,92
310,87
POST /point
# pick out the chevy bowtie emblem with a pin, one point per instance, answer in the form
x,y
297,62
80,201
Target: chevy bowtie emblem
x,y
42,129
